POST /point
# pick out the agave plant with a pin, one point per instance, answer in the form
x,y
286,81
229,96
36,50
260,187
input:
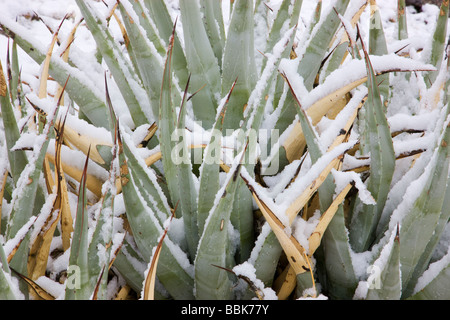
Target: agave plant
x,y
201,156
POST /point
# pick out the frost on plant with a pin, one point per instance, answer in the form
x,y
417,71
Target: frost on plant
x,y
299,149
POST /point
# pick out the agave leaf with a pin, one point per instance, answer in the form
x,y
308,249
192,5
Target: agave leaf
x,y
437,287
339,52
401,18
316,16
340,280
82,142
102,237
438,43
211,282
81,89
146,228
312,59
187,189
150,279
214,26
209,173
157,10
308,130
65,56
80,244
6,286
320,104
387,268
284,16
26,196
147,182
42,92
13,76
201,62
147,58
177,168
325,219
120,69
238,62
39,252
424,214
382,154
167,127
40,292
378,46
17,159
285,283
294,251
149,26
126,263
265,256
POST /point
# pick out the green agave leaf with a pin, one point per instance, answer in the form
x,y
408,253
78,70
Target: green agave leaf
x,y
201,62
265,255
239,62
80,244
401,18
147,57
335,61
440,226
380,146
340,276
438,287
378,46
307,128
146,230
6,285
122,71
78,88
285,19
24,196
419,225
157,10
17,159
212,282
14,83
311,60
167,127
209,172
27,197
439,42
388,275
6,291
127,262
101,240
146,180
275,34
148,25
214,26
316,16
177,167
187,189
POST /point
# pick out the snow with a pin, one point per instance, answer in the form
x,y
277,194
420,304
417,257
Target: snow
x,y
247,270
432,272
